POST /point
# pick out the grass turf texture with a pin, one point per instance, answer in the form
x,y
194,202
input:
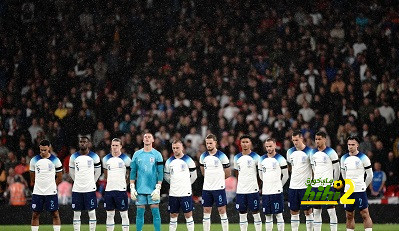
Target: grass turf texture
x,y
182,227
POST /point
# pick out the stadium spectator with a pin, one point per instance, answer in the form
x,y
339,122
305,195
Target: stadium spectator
x,y
377,185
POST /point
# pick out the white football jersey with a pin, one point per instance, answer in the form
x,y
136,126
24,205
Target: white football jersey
x,y
355,168
179,171
247,165
116,171
214,165
270,168
45,169
322,163
84,171
301,170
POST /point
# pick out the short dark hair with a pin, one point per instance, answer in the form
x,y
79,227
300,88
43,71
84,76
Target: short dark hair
x,y
245,136
211,136
297,133
45,143
322,134
270,140
85,137
117,140
353,138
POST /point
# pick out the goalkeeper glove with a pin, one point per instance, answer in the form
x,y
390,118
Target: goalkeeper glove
x,y
156,194
133,192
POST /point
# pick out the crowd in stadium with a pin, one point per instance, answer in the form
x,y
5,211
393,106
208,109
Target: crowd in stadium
x,y
185,69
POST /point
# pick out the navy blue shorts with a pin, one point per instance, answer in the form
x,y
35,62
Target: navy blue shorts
x,y
84,201
217,197
116,200
295,197
273,204
39,202
361,202
247,201
177,203
316,190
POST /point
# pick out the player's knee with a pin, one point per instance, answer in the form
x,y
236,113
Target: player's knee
x,y
365,214
349,216
56,215
222,209
35,215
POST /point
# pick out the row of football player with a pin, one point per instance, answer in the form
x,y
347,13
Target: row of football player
x,y
147,173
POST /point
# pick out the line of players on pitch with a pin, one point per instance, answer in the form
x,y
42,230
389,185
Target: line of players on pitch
x,y
147,171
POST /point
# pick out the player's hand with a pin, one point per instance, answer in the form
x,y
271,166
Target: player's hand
x,y
156,194
133,192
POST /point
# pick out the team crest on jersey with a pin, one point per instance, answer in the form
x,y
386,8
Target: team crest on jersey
x,y
216,162
274,165
325,159
357,164
303,159
120,165
50,166
89,163
152,160
249,163
33,206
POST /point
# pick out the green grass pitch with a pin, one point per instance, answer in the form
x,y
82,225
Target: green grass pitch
x,y
182,227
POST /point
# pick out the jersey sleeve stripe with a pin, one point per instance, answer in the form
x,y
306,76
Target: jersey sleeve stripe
x,y
367,167
59,168
226,165
192,169
283,167
97,164
335,161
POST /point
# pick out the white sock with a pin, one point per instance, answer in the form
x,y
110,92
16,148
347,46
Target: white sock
x,y
257,221
368,229
125,220
76,220
295,222
309,222
206,222
333,219
110,222
92,220
225,221
173,224
317,219
350,230
280,222
243,222
34,228
56,227
190,224
269,222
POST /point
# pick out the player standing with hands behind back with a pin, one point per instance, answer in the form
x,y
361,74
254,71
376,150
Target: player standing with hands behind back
x,y
274,174
85,169
43,168
354,165
180,173
146,177
115,165
298,158
246,167
215,167
325,165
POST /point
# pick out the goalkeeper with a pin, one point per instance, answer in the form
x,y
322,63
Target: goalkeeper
x,y
146,177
